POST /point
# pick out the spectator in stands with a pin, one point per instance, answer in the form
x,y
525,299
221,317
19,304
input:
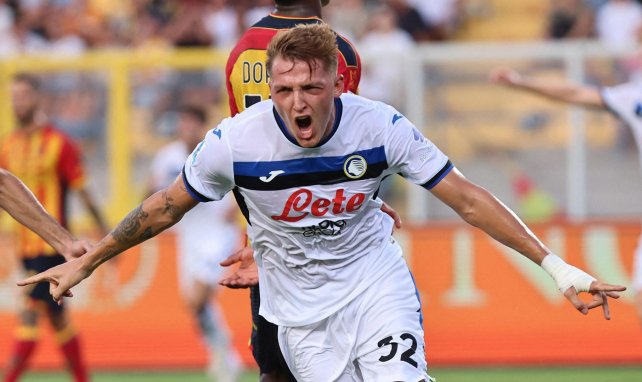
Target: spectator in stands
x,y
348,17
569,19
186,27
410,20
383,71
60,36
619,23
619,26
8,43
443,16
256,11
221,21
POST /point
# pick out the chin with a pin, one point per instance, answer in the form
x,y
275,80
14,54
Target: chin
x,y
307,143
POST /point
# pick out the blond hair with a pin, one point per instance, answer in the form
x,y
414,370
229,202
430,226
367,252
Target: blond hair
x,y
307,43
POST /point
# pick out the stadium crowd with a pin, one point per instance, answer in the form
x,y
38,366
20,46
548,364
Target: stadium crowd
x,y
74,26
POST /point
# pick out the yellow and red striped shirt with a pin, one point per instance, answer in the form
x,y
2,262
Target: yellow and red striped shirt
x,y
48,162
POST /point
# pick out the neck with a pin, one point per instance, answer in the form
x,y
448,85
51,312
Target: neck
x,y
299,10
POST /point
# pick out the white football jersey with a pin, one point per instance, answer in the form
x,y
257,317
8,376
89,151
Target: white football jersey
x,y
626,102
317,231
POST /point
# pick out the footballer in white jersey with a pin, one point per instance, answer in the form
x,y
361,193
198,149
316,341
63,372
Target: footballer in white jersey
x,y
320,239
625,101
317,232
205,235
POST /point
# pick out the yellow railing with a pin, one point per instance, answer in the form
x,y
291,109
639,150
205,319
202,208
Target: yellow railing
x,y
118,65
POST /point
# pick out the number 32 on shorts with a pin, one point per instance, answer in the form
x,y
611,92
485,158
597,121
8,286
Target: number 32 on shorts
x,y
406,356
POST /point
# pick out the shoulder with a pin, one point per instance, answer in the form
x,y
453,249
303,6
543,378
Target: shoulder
x,y
52,131
249,116
353,103
368,116
628,91
273,21
255,117
348,51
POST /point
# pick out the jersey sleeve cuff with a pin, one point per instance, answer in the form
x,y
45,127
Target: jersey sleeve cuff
x,y
439,176
193,193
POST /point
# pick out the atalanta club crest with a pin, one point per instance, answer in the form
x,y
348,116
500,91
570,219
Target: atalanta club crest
x,y
355,166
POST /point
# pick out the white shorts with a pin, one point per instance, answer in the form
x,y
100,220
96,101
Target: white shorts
x,y
198,260
378,336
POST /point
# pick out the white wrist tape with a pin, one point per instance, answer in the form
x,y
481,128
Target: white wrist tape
x,y
566,275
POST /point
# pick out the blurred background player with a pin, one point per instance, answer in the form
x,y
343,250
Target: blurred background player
x,y
19,202
247,84
205,236
49,163
624,101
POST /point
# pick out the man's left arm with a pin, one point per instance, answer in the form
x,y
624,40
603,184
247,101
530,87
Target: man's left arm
x,y
480,208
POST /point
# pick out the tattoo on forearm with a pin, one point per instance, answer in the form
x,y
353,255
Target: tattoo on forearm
x,y
130,225
110,252
169,206
146,234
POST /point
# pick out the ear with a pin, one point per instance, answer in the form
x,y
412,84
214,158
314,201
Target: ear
x,y
338,86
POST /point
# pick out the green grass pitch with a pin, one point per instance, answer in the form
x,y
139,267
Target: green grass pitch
x,y
548,374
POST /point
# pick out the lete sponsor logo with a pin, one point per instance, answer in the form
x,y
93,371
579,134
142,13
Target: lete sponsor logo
x,y
303,202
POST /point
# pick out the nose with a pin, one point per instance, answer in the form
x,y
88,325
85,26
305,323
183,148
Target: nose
x,y
299,101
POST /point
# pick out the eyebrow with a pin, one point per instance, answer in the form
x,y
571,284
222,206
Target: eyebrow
x,y
308,85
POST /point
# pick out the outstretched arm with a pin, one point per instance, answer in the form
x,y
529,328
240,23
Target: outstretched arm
x,y
21,204
481,209
558,90
158,212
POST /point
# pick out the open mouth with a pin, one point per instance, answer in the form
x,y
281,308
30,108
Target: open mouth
x,y
303,122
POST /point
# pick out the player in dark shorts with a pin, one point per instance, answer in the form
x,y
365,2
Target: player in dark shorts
x,y
49,163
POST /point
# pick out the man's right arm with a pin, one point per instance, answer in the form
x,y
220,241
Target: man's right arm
x,y
558,90
157,213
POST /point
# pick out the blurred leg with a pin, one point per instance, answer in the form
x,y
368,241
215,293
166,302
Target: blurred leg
x,y
69,343
224,361
26,339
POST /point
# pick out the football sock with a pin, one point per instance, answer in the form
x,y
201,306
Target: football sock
x,y
26,341
212,328
70,346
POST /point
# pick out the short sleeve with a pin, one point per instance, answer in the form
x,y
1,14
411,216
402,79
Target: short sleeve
x,y
412,155
208,171
625,101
